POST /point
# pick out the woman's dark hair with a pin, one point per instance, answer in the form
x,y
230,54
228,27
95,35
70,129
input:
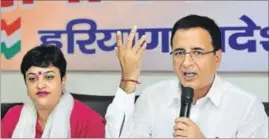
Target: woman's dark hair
x,y
44,56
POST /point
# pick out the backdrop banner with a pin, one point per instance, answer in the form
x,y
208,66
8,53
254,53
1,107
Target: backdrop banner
x,y
85,31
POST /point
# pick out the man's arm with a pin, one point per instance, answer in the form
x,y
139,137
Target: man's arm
x,y
120,116
126,119
255,123
121,105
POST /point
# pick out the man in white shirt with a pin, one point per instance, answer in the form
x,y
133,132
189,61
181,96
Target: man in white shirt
x,y
220,109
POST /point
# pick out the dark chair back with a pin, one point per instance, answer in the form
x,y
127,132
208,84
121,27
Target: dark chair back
x,y
97,103
6,106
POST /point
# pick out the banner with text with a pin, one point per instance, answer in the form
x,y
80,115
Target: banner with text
x,y
85,31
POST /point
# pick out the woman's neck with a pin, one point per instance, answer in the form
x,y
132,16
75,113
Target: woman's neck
x,y
43,115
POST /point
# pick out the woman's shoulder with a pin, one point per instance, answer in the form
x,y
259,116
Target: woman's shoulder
x,y
14,111
9,121
85,122
83,110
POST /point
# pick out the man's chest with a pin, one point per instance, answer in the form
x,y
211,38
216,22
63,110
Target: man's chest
x,y
212,122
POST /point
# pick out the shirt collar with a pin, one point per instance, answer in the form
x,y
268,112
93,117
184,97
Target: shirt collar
x,y
214,93
175,96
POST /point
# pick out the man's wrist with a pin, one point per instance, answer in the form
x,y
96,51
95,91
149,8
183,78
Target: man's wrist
x,y
128,87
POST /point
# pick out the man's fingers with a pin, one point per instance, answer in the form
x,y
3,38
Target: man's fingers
x,y
116,49
119,39
141,51
139,43
131,37
181,126
180,133
184,120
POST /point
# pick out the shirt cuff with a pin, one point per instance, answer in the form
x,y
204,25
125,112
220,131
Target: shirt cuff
x,y
124,101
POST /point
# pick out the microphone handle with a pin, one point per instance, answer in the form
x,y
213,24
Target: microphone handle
x,y
185,109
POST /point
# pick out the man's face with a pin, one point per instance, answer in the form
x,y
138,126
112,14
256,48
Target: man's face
x,y
194,69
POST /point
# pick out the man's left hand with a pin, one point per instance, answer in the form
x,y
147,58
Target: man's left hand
x,y
185,128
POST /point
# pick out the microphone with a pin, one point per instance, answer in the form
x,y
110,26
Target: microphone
x,y
187,94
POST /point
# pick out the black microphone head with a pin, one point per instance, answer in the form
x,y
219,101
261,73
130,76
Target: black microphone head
x,y
187,92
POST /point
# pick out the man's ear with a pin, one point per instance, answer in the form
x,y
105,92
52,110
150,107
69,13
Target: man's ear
x,y
218,57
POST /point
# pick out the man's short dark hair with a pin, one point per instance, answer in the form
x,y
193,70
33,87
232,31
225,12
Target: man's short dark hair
x,y
193,21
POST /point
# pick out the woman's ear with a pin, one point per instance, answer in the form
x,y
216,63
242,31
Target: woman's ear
x,y
63,81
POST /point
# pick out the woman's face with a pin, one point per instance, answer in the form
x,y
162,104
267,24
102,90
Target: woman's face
x,y
44,86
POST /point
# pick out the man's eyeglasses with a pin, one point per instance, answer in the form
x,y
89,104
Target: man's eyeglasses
x,y
195,54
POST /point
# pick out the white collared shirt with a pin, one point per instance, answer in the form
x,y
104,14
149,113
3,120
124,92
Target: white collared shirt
x,y
225,112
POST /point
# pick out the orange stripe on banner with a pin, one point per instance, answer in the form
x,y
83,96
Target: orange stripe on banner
x,y
11,28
